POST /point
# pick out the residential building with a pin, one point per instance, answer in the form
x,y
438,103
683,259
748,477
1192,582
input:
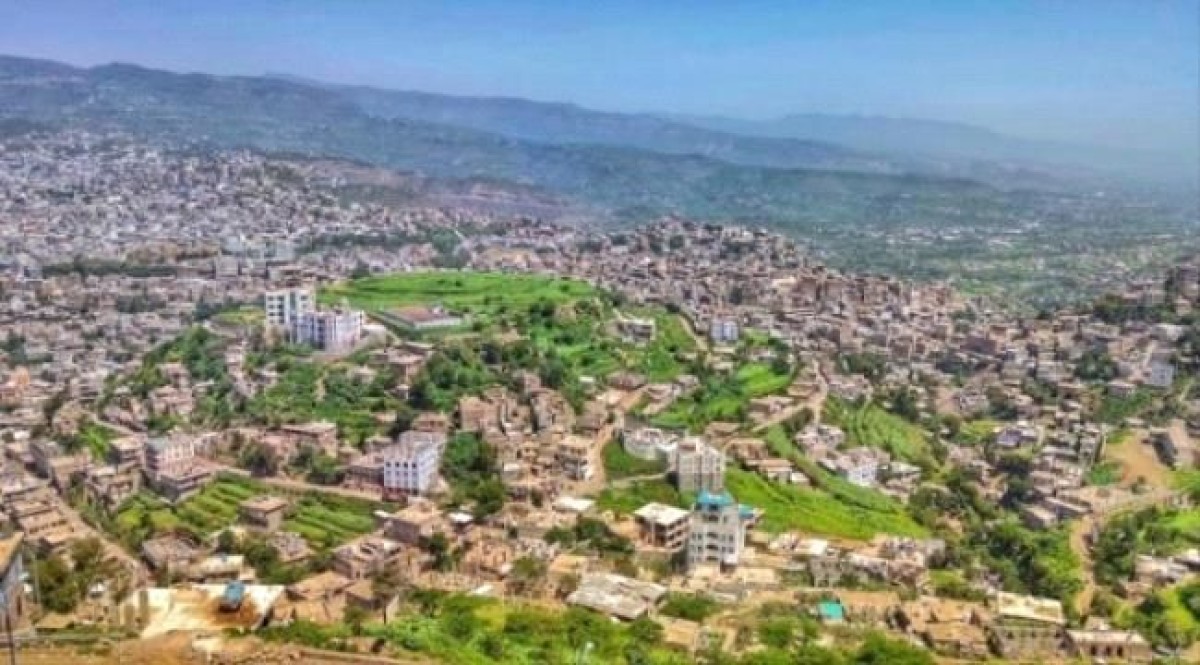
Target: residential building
x,y
165,453
1109,646
697,466
573,455
287,306
648,443
718,528
364,557
410,468
265,512
663,526
1026,626
617,596
857,465
335,330
724,331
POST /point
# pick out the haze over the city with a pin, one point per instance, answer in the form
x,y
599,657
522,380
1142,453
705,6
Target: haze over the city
x,y
1117,74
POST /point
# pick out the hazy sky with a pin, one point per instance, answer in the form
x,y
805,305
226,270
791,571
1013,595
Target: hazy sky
x,y
1097,71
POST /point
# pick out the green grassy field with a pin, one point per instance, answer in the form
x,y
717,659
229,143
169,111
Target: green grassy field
x,y
722,399
325,521
563,318
625,500
977,432
474,292
870,425
790,508
620,464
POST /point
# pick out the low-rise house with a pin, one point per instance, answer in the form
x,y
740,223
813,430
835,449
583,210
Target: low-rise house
x,y
648,443
414,524
951,627
663,526
171,552
1109,646
1175,447
110,486
291,547
859,465
874,608
364,557
617,596
1027,627
265,512
319,436
127,450
573,455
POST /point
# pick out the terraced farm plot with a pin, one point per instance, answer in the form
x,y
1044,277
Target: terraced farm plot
x,y
791,508
325,521
870,425
722,399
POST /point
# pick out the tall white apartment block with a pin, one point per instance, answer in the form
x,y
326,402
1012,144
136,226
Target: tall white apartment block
x,y
698,466
329,330
411,469
286,306
717,532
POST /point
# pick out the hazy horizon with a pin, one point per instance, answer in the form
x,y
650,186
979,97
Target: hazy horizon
x,y
1115,74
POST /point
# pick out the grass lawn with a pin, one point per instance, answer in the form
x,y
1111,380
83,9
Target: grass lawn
x,y
242,316
791,508
618,463
475,292
870,425
625,500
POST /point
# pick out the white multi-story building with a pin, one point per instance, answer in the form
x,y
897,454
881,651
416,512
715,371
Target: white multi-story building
x,y
166,455
717,531
724,331
698,466
648,443
410,469
860,465
286,306
329,330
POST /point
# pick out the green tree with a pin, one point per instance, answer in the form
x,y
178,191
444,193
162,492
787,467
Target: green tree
x,y
879,650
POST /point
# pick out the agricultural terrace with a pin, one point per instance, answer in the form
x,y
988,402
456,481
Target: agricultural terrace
x,y
325,521
870,425
851,515
719,398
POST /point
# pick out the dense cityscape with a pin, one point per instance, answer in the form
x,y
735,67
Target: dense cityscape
x,y
237,401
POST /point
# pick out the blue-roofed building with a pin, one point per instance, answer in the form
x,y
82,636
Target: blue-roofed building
x,y
831,612
718,529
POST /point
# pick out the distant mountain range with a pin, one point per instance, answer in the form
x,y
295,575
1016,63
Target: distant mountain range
x,y
965,149
623,167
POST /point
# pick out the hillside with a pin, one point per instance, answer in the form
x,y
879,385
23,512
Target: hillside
x,y
280,115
